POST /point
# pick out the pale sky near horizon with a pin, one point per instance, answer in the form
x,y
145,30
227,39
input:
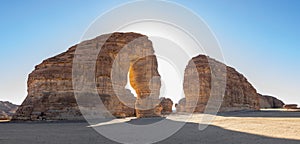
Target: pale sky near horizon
x,y
258,38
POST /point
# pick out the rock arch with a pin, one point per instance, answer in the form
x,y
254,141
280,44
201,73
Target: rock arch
x,y
51,93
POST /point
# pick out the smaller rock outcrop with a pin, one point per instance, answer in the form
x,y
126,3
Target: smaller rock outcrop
x,y
180,106
290,106
3,115
7,109
269,102
167,105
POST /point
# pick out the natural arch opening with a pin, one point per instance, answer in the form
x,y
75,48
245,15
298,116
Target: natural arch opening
x,y
128,85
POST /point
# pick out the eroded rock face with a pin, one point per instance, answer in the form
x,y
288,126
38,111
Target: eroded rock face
x,y
51,94
269,102
145,79
50,88
167,105
290,106
239,93
7,109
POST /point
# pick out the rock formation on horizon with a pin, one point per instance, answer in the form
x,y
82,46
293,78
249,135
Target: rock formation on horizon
x,y
51,94
50,88
269,102
7,109
239,93
290,106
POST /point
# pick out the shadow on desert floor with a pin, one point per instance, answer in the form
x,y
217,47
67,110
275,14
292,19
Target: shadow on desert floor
x,y
78,133
264,113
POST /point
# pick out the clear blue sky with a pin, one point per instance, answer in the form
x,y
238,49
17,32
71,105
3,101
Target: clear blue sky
x,y
260,38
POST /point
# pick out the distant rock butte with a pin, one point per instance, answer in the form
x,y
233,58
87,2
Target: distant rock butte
x,y
7,109
269,102
290,106
180,106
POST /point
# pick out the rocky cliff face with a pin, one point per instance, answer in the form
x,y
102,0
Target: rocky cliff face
x,y
7,109
51,93
239,93
145,79
269,102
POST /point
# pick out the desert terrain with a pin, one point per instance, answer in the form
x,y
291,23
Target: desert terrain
x,y
260,127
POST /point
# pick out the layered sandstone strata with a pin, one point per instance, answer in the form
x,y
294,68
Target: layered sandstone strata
x,y
145,79
50,85
117,58
269,102
7,109
239,94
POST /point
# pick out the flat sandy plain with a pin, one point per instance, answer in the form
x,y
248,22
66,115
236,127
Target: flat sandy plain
x,y
263,127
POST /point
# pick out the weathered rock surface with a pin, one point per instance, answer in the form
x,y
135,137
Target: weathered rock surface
x,y
239,93
290,106
50,88
145,79
167,105
7,109
122,55
269,102
180,106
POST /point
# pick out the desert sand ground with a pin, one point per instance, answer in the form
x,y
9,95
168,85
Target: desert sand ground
x,y
264,127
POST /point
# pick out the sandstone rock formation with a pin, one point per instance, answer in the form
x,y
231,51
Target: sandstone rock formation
x,y
50,87
290,106
239,93
167,105
7,109
145,79
114,58
269,102
3,116
180,106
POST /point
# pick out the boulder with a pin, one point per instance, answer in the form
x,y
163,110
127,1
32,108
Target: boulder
x,y
167,105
